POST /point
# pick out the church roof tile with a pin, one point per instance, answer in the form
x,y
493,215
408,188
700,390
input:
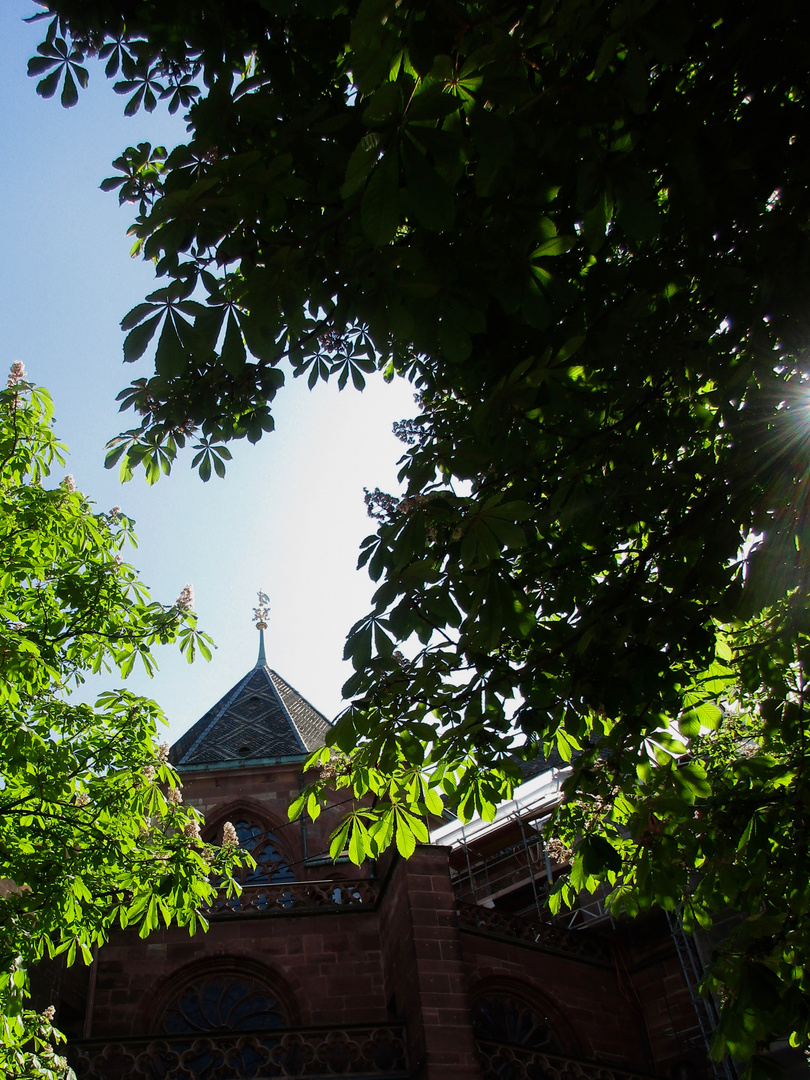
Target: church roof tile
x,y
260,718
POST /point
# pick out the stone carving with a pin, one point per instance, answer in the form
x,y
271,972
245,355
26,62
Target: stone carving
x,y
366,1051
506,1019
588,947
223,1003
296,896
265,849
502,1062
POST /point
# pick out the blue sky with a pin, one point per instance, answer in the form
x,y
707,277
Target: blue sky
x,y
289,516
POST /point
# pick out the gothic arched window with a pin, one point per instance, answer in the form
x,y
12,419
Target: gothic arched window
x,y
221,1005
222,1024
507,1019
271,866
510,1033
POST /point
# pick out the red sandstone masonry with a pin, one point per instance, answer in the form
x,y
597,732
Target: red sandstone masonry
x,y
407,960
330,979
596,1020
654,974
329,963
417,917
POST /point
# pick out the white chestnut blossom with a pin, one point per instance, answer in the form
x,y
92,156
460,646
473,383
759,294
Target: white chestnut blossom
x,y
17,373
558,851
185,601
229,836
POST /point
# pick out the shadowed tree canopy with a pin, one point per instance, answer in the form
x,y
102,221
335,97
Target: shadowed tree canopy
x,y
581,229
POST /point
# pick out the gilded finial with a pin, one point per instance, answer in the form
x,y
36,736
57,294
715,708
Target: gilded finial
x,y
260,617
262,612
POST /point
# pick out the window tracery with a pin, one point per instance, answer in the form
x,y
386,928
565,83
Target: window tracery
x,y
512,1037
222,1004
505,1018
271,866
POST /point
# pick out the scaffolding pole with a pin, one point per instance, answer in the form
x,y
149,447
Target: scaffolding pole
x,y
529,866
469,864
692,968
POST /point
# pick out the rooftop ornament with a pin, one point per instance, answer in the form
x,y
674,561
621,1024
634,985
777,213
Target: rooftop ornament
x,y
260,617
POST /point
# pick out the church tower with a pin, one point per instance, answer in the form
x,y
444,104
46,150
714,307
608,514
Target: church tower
x,y
393,971
260,721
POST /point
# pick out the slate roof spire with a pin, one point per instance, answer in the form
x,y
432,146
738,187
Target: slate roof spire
x,y
260,721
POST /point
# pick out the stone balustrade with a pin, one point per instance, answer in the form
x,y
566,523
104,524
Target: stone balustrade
x,y
587,946
502,1062
363,1052
297,897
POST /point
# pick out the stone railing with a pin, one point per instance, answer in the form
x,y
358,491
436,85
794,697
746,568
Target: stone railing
x,y
363,1052
297,897
502,1062
588,947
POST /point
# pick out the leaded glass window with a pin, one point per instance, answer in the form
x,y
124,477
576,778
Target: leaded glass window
x,y
220,1026
506,1019
512,1038
264,847
222,1004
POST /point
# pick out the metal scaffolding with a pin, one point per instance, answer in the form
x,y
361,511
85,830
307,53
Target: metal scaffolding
x,y
692,967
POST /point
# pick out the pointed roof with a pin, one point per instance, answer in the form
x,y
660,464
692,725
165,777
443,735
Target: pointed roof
x,y
261,720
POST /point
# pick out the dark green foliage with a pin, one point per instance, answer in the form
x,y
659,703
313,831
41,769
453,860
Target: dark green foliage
x,y
581,229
